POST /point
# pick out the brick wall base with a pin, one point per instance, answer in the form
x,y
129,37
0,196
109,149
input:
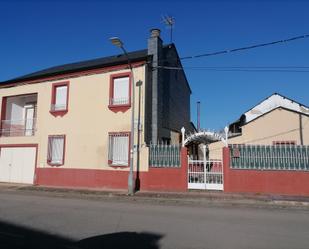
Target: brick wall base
x,y
264,181
156,179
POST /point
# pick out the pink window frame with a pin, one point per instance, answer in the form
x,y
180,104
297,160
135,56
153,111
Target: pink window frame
x,y
124,133
49,150
53,98
121,107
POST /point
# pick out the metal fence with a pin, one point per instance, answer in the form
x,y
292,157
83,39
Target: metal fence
x,y
162,155
269,157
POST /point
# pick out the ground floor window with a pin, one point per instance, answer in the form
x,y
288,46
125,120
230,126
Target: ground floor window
x,y
56,146
118,148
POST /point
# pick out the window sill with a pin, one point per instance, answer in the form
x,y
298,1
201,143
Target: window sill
x,y
110,164
60,113
119,108
55,164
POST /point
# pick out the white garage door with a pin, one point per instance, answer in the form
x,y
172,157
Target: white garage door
x,y
17,164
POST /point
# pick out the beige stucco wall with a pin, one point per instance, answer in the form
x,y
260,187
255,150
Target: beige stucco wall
x,y
175,137
87,123
278,125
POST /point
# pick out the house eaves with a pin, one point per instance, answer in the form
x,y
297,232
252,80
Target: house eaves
x,y
136,56
273,102
279,107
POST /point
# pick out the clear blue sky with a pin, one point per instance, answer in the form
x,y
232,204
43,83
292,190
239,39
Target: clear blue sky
x,y
39,34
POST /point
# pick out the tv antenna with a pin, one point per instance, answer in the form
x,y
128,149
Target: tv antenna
x,y
169,21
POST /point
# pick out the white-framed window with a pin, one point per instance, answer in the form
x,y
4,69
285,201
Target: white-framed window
x,y
56,146
118,148
120,90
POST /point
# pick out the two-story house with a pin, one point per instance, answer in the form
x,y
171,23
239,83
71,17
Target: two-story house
x,y
70,125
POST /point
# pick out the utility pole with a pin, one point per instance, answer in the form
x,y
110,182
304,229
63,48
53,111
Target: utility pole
x,y
198,105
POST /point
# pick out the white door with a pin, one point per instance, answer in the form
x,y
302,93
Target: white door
x,y
17,164
29,118
5,165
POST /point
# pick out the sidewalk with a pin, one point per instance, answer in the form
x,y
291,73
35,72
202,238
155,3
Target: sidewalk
x,y
199,198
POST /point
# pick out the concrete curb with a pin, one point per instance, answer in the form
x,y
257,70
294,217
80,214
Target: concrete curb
x,y
198,198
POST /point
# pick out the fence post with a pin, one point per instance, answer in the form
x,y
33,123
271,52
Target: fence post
x,y
184,168
226,132
183,130
204,162
226,168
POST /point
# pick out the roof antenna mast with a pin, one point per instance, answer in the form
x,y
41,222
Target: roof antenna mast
x,y
169,21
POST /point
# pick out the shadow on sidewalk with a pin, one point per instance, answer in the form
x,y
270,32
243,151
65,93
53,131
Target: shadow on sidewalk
x,y
17,237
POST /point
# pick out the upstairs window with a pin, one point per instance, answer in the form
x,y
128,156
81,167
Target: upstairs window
x,y
118,149
120,90
56,145
60,95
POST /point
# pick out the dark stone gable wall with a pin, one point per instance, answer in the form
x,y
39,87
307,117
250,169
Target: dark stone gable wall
x,y
175,94
173,98
168,93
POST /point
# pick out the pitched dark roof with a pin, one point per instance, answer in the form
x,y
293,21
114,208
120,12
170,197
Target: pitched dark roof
x,y
81,66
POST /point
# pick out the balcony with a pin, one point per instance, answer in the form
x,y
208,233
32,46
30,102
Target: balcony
x,y
18,117
15,128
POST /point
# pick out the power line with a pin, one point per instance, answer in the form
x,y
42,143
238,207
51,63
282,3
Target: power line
x,y
254,46
247,47
262,69
248,67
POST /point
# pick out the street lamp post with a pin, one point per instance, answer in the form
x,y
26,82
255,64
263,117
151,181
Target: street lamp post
x,y
118,43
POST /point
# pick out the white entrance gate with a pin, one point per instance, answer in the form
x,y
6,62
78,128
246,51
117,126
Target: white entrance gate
x,y
205,174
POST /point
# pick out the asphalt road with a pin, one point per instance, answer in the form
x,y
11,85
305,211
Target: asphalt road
x,y
35,221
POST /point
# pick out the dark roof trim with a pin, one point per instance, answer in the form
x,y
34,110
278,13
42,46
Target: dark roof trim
x,y
135,56
193,125
234,135
238,120
279,107
278,95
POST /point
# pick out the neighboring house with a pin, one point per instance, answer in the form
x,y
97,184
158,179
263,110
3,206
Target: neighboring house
x,y
70,125
275,120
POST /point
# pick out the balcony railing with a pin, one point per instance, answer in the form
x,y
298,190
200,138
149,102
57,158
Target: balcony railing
x,y
58,107
119,101
21,127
